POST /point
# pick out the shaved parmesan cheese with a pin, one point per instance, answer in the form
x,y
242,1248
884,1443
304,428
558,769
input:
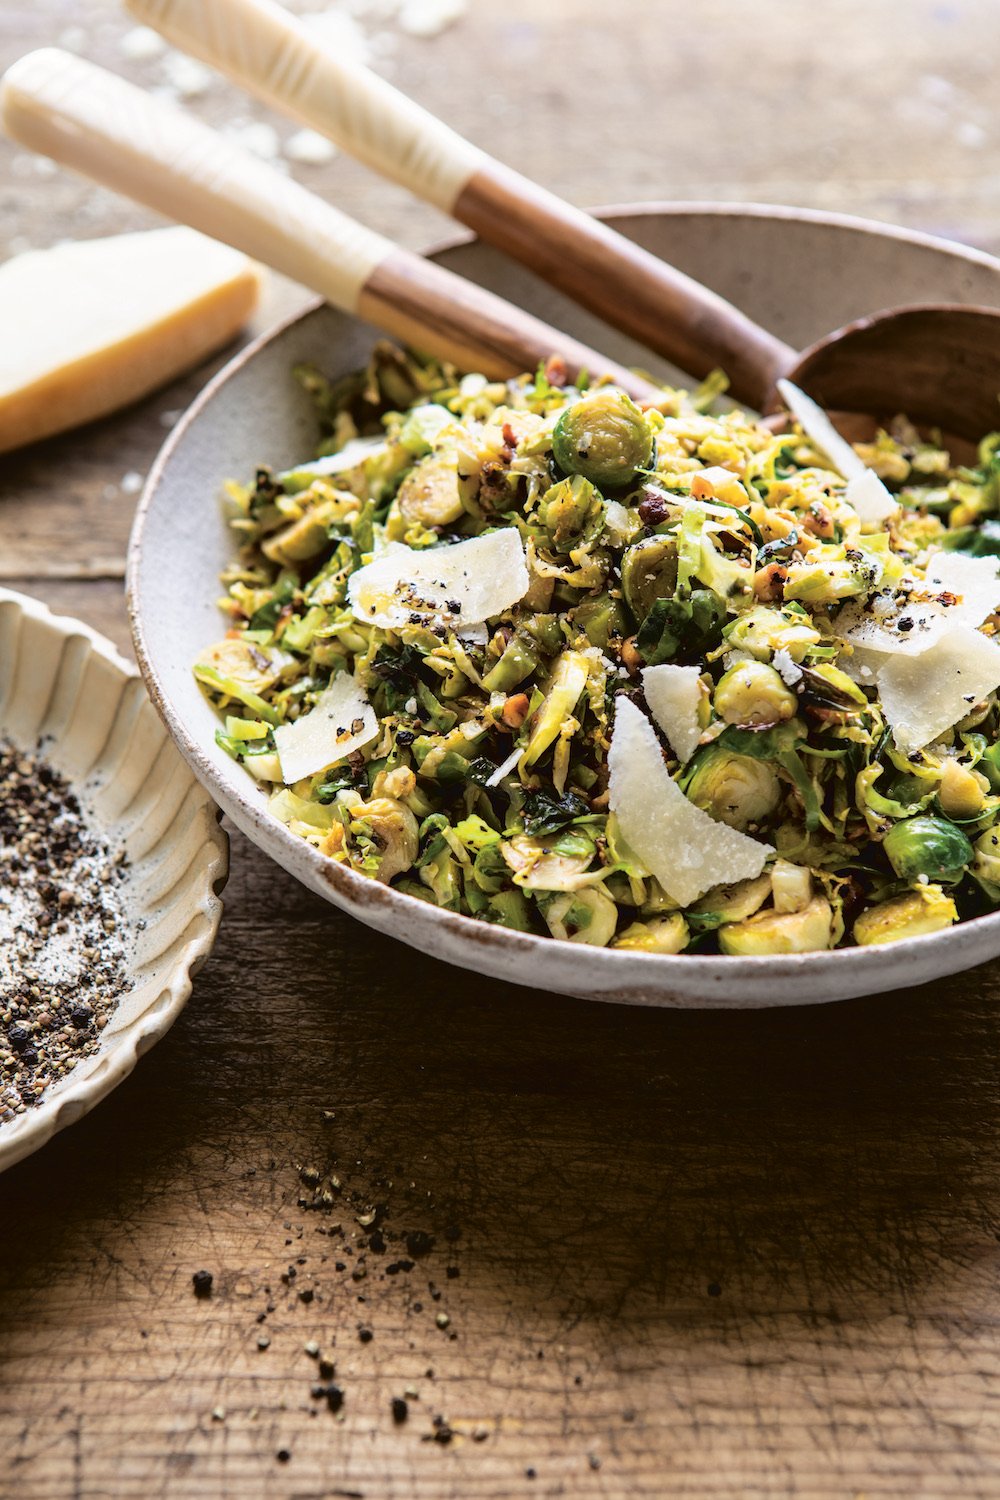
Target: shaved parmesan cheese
x,y
505,767
674,694
975,580
687,851
870,498
351,456
974,583
341,722
924,695
461,584
816,424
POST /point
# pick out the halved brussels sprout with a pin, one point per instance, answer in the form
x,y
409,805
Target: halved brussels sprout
x,y
962,793
732,903
770,931
393,830
587,916
734,788
539,867
924,910
667,934
604,437
649,572
792,886
754,696
932,847
429,495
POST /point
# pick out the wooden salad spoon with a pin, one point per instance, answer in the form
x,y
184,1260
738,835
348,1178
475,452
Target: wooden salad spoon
x,y
89,119
938,364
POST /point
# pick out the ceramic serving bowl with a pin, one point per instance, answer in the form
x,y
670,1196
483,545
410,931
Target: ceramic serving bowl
x,y
800,274
67,695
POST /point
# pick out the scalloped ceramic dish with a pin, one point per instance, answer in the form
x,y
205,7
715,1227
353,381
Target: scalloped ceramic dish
x,y
66,693
800,274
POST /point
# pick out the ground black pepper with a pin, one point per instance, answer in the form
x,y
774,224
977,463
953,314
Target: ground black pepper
x,y
63,933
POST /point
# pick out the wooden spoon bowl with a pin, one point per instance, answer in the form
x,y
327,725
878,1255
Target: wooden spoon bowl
x,y
940,365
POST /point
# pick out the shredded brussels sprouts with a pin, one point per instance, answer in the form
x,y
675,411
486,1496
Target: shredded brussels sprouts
x,y
597,541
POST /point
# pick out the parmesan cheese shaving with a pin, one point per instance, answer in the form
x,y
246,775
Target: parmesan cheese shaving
x,y
922,696
687,851
461,584
975,580
817,425
870,498
973,584
341,722
674,695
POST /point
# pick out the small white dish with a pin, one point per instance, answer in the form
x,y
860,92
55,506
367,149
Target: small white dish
x,y
68,697
800,274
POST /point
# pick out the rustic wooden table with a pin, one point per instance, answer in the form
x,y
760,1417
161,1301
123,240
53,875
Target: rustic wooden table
x,y
713,1255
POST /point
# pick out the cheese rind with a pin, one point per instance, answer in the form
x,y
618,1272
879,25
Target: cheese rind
x,y
94,325
341,721
687,851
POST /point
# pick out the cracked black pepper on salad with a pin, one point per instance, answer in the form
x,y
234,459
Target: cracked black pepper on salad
x,y
663,680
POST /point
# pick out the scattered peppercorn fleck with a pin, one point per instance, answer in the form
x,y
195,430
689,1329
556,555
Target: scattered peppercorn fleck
x,y
202,1283
400,1410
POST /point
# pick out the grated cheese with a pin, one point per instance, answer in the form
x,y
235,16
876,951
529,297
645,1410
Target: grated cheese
x,y
687,851
460,584
341,722
674,695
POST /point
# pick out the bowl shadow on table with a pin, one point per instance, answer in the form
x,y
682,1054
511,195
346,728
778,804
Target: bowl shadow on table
x,y
600,1163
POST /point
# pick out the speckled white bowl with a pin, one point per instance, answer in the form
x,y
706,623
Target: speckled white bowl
x,y
65,692
801,274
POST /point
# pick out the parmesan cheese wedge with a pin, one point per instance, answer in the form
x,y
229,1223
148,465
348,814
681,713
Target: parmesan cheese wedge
x,y
923,696
91,326
674,695
456,585
687,851
341,722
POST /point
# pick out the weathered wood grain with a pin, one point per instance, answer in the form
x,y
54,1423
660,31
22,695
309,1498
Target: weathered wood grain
x,y
718,1255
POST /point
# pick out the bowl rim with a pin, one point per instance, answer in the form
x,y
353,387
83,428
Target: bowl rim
x,y
863,970
95,1076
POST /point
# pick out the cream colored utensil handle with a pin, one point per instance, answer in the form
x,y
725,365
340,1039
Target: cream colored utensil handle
x,y
266,50
111,131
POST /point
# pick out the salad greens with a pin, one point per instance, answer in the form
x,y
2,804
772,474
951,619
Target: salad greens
x,y
464,756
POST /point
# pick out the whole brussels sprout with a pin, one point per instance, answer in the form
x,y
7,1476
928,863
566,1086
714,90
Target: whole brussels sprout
x,y
753,695
771,931
604,437
927,846
924,910
649,572
734,788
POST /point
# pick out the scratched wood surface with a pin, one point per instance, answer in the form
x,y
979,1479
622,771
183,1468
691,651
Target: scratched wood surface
x,y
700,1255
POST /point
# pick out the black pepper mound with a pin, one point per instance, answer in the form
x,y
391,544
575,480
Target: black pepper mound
x,y
62,931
